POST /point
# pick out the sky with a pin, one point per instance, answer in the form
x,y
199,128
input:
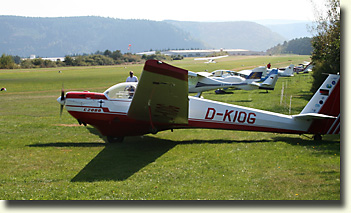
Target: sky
x,y
158,10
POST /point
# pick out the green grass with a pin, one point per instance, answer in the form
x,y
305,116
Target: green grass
x,y
48,157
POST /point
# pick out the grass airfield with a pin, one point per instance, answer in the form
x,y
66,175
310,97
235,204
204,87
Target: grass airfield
x,y
48,157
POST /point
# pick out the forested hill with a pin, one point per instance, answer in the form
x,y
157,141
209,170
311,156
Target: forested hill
x,y
47,37
50,37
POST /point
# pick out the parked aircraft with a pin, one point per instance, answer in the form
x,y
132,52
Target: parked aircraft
x,y
160,102
242,73
204,81
262,69
210,59
286,71
200,82
267,83
304,68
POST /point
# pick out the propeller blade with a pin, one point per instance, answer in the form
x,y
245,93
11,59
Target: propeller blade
x,y
62,100
61,109
62,94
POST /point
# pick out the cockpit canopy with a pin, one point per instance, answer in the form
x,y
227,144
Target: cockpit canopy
x,y
124,90
225,73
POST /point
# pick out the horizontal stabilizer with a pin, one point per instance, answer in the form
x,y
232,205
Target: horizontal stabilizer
x,y
313,116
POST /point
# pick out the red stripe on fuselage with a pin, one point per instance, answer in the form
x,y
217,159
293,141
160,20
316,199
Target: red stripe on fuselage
x,y
86,95
118,123
161,68
198,123
112,124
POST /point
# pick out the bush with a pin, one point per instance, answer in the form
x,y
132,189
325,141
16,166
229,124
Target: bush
x,y
7,62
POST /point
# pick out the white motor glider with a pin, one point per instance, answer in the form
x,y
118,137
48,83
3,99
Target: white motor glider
x,y
242,73
304,68
286,71
210,59
202,81
262,69
160,101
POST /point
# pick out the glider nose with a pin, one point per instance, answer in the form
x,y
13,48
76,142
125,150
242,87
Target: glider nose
x,y
62,98
60,101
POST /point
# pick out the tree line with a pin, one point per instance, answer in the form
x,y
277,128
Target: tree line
x,y
300,46
324,47
106,57
326,44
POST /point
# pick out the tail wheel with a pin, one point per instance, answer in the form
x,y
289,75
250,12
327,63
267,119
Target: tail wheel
x,y
112,139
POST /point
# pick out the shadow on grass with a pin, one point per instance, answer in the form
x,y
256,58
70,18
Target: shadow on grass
x,y
305,95
221,141
69,144
119,161
328,147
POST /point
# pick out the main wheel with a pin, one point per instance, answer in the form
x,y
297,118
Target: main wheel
x,y
317,137
112,139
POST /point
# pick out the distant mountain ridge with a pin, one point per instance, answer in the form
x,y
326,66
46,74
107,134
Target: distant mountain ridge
x,y
47,37
237,34
51,37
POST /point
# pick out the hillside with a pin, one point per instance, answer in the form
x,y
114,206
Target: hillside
x,y
47,37
237,35
51,37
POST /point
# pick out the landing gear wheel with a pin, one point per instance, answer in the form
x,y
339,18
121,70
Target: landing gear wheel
x,y
112,139
317,137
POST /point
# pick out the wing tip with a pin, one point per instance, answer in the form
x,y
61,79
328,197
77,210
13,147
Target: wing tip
x,y
162,68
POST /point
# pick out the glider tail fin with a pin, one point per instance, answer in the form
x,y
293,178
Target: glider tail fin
x,y
325,103
309,67
289,70
270,81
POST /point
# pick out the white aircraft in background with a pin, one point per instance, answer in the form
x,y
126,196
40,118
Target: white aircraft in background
x,y
242,73
161,102
203,81
304,68
210,59
226,74
286,71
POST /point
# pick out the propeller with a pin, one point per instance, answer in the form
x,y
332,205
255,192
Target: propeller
x,y
62,100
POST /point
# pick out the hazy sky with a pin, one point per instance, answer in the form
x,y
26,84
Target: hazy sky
x,y
183,10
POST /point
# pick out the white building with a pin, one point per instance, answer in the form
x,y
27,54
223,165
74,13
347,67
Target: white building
x,y
54,59
201,53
